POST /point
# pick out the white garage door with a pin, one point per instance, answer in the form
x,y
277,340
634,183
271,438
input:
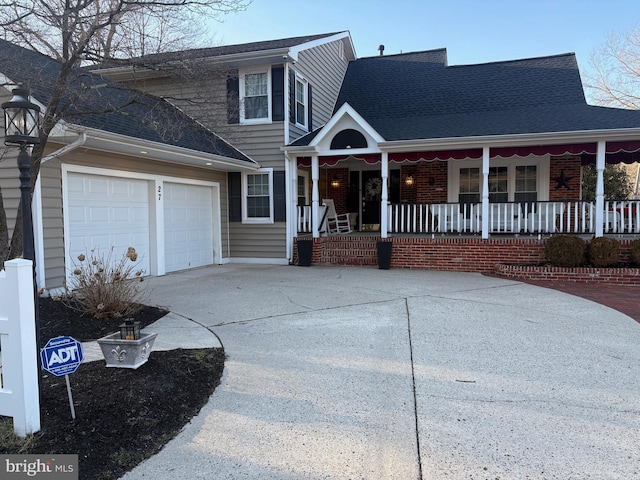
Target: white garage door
x,y
107,212
188,226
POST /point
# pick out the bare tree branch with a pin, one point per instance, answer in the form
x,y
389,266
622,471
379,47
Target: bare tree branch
x,y
615,79
74,32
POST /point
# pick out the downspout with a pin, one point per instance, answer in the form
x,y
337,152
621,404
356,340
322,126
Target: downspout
x,y
289,173
289,208
38,227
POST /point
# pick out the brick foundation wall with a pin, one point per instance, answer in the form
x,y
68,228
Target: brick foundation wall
x,y
610,276
449,253
494,255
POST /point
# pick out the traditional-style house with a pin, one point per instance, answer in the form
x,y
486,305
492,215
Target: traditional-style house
x,y
459,167
488,154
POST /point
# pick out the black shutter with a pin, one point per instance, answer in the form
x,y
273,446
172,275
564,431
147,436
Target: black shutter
x,y
233,98
277,94
309,108
234,180
292,97
279,197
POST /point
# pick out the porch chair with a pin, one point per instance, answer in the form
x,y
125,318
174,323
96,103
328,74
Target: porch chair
x,y
336,223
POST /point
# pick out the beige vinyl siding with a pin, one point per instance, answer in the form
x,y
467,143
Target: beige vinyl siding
x,y
52,210
258,241
10,184
52,224
324,68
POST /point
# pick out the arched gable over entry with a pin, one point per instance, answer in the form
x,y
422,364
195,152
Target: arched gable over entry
x,y
347,139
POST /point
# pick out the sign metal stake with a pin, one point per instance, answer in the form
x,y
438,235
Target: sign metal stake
x,y
73,410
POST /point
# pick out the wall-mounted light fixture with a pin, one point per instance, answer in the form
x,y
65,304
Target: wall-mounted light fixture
x,y
409,180
335,183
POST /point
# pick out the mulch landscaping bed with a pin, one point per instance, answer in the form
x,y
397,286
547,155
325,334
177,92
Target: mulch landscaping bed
x,y
123,416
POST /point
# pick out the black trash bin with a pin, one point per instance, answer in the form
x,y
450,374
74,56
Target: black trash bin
x,y
305,251
384,255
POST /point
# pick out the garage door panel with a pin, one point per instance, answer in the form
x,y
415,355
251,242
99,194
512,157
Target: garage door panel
x,y
188,226
106,212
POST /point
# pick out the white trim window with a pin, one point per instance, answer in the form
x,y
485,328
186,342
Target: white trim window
x,y
516,179
255,96
301,101
257,192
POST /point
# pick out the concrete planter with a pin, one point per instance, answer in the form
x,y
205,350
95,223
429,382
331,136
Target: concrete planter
x,y
126,353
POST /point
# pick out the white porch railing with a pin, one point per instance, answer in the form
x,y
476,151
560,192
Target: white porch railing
x,y
619,217
304,222
513,217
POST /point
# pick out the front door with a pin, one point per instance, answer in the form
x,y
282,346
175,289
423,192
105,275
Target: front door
x,y
371,197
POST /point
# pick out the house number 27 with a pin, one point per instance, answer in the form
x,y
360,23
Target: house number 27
x,y
159,193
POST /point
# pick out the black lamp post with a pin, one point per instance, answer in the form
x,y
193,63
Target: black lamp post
x,y
22,129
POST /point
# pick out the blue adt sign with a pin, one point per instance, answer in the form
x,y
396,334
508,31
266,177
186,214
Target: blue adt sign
x,y
61,356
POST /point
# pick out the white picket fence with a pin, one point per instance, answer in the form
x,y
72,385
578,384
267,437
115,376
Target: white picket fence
x,y
19,396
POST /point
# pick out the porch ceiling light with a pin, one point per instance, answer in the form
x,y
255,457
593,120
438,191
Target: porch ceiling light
x,y
22,120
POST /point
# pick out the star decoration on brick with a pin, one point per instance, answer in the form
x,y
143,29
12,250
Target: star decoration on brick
x,y
562,181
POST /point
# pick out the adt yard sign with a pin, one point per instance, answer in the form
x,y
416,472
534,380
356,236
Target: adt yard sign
x,y
61,356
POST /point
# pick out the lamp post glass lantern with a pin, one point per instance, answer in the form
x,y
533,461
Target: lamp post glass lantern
x,y
22,128
21,119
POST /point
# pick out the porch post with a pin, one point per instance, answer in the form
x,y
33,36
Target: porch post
x,y
315,196
384,210
600,161
485,192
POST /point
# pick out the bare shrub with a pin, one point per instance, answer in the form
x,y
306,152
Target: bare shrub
x,y
105,288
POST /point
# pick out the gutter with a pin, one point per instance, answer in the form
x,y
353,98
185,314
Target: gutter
x,y
495,141
66,149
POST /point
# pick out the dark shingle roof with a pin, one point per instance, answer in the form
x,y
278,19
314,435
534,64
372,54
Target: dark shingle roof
x,y
144,117
417,96
217,51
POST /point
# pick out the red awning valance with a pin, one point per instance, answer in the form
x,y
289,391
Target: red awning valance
x,y
627,152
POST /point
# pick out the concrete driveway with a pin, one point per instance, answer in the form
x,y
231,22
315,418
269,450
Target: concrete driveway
x,y
359,373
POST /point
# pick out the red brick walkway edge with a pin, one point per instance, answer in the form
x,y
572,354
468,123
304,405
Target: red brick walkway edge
x,y
609,276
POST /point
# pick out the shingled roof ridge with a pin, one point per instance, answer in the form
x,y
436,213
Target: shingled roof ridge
x,y
406,54
567,55
219,50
